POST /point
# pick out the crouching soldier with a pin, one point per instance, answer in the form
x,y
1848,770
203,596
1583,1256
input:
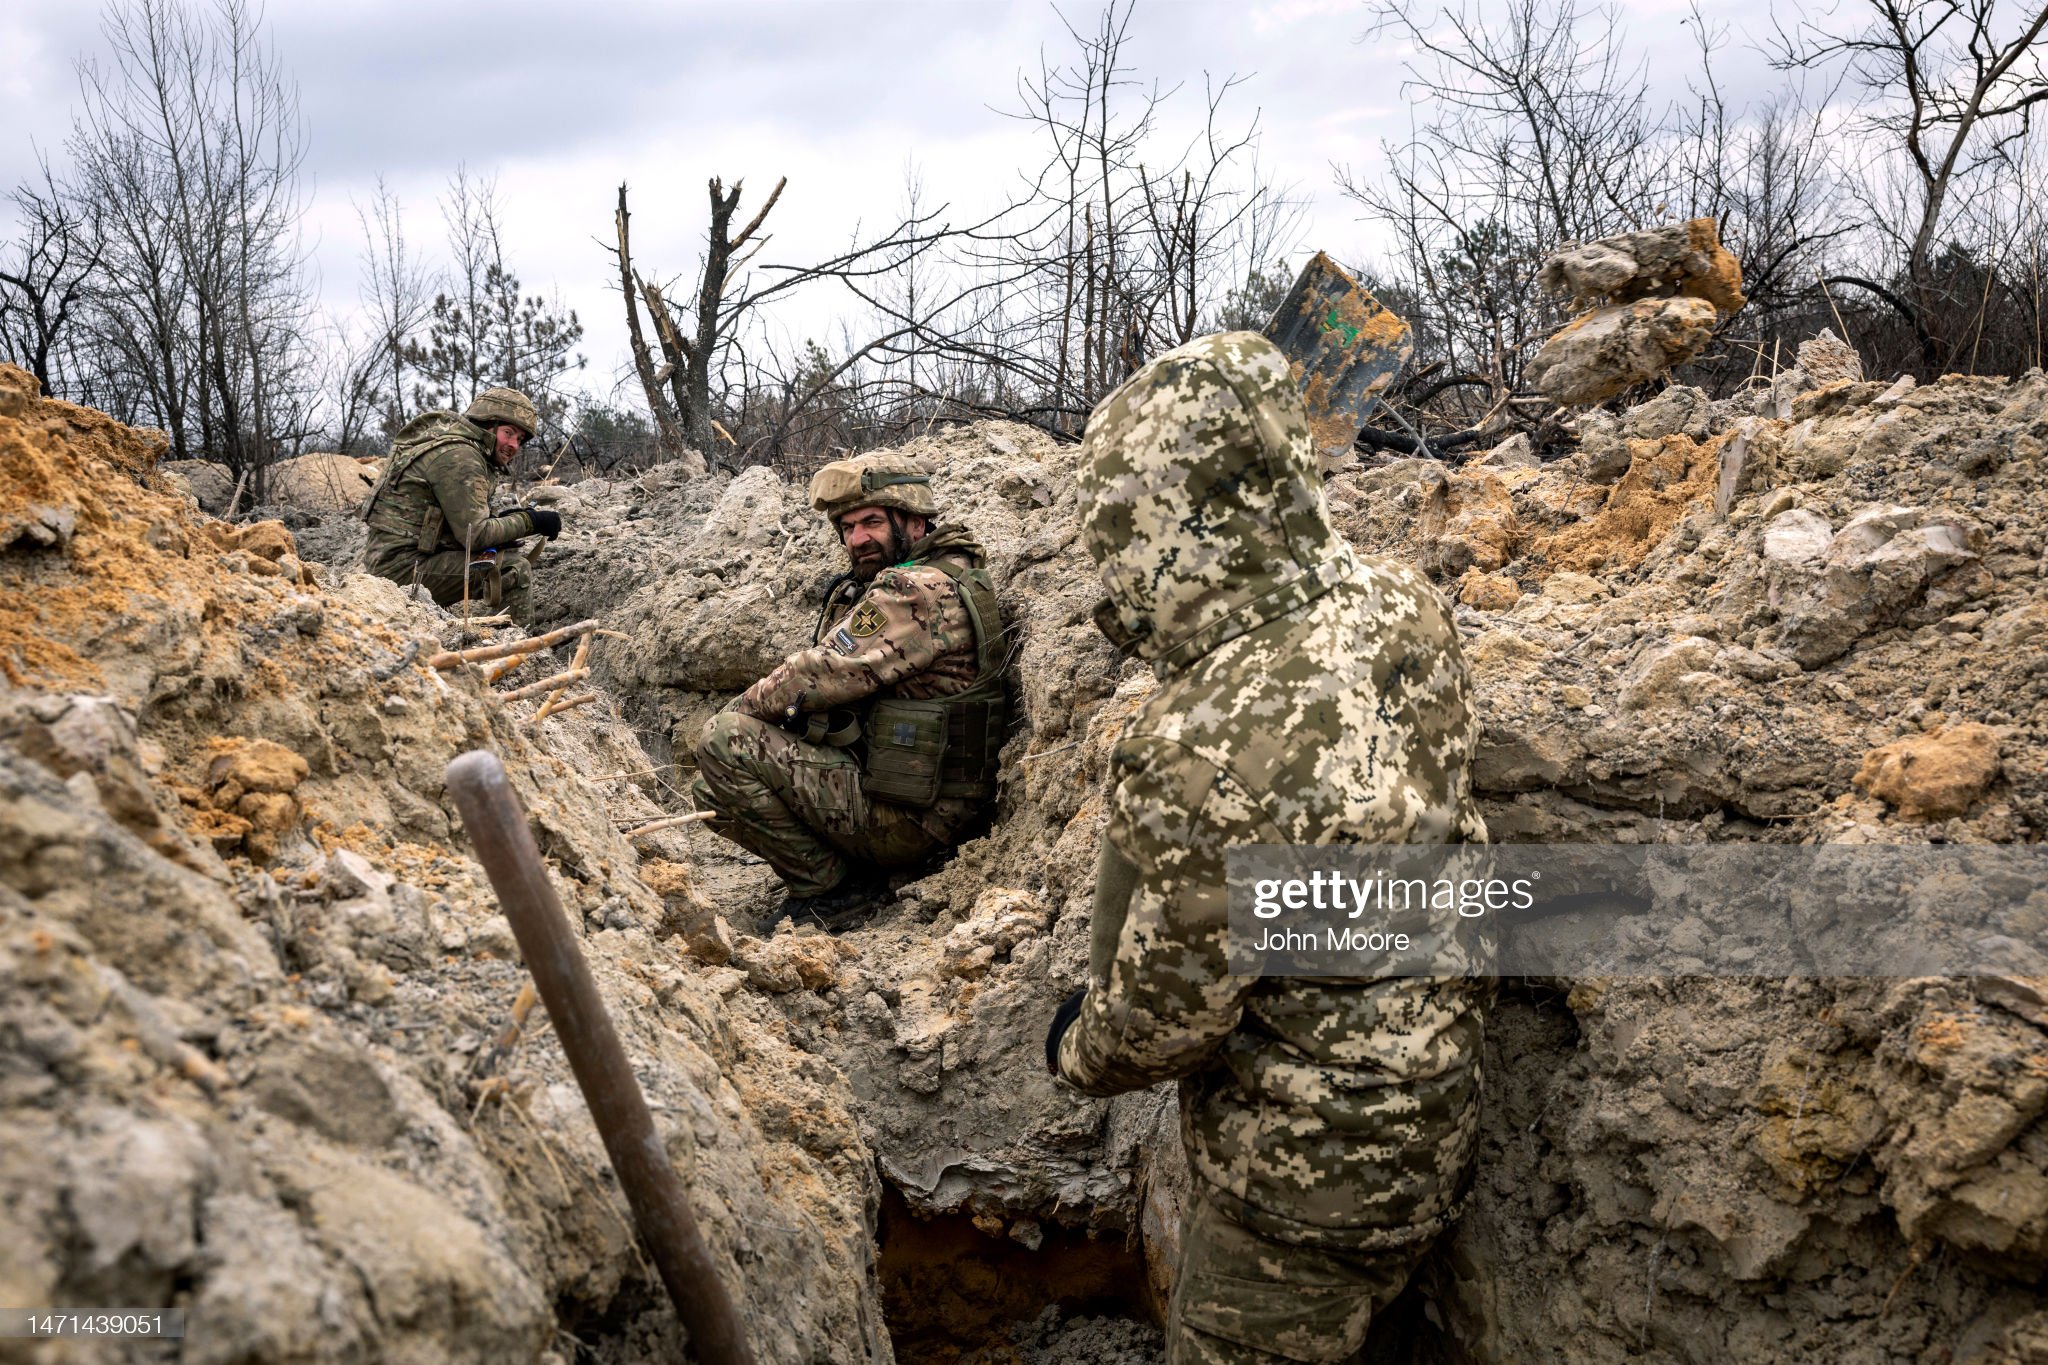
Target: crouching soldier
x,y
876,747
430,515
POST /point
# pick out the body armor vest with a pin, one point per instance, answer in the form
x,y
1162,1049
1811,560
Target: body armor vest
x,y
921,751
424,434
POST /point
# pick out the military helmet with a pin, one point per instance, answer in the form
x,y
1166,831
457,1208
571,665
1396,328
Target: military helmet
x,y
881,480
504,405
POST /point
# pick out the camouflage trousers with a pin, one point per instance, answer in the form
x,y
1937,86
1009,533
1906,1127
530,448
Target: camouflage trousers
x,y
1243,1299
801,807
441,575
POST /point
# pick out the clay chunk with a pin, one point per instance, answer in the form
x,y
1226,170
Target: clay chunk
x,y
1605,351
1653,300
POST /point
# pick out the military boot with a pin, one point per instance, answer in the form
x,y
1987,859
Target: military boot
x,y
841,908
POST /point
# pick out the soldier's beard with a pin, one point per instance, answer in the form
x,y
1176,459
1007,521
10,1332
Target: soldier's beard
x,y
870,559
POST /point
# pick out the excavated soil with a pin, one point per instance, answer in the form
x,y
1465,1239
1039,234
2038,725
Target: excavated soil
x,y
1804,615
252,982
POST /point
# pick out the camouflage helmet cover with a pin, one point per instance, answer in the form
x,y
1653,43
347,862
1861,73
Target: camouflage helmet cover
x,y
504,405
879,480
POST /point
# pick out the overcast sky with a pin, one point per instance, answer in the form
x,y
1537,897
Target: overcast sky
x,y
562,102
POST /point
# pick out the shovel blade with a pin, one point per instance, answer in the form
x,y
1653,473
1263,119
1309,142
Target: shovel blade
x,y
1343,346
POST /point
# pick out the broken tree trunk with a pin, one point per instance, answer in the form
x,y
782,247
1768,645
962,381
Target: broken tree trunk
x,y
719,266
665,420
677,358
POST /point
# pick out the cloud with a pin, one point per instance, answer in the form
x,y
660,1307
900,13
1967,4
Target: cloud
x,y
561,103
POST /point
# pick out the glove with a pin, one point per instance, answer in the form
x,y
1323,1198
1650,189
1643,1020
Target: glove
x,y
545,523
1062,1019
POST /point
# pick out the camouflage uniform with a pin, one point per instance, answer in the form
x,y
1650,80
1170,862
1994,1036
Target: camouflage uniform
x,y
804,806
1308,696
435,499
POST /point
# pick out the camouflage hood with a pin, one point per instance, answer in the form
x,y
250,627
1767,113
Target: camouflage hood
x,y
1201,501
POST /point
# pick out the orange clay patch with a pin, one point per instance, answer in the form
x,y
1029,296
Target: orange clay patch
x,y
1664,478
87,528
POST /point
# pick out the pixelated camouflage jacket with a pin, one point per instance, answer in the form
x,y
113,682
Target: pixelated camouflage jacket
x,y
1308,695
440,460
908,635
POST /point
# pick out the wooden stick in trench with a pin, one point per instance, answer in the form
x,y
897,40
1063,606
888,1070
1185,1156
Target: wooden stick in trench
x,y
457,658
670,822
559,681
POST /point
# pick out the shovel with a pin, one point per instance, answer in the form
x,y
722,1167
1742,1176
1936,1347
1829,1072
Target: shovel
x,y
1344,348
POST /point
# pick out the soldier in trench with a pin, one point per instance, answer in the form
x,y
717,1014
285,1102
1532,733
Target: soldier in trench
x,y
430,515
1307,696
874,748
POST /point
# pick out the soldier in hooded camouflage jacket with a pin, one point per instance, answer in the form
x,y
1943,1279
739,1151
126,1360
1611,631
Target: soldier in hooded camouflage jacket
x,y
430,517
790,768
1307,696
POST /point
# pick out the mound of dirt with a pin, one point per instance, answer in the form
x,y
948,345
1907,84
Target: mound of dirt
x,y
252,983
1813,613
320,485
1755,1164
208,483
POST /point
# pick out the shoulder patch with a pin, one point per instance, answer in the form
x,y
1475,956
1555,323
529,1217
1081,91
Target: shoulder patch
x,y
866,620
843,642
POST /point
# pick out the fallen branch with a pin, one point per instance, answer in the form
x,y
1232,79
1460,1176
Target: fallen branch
x,y
581,663
499,670
554,684
1371,438
501,619
670,822
1043,752
160,1041
550,709
642,772
455,659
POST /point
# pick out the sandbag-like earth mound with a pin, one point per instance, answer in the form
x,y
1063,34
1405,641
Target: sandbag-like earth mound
x,y
253,985
243,935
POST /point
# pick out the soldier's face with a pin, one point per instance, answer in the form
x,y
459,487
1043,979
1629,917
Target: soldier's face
x,y
874,540
509,439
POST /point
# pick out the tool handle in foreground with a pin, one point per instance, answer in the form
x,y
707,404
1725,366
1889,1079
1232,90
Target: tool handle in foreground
x,y
497,826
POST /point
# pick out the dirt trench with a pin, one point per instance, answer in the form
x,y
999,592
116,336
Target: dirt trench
x,y
251,981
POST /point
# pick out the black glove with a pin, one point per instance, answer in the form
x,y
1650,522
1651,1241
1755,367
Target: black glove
x,y
545,522
1062,1019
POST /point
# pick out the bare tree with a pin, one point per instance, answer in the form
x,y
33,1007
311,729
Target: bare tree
x,y
1130,247
394,290
48,283
482,328
1535,133
355,364
706,368
667,422
1949,87
186,153
450,360
692,345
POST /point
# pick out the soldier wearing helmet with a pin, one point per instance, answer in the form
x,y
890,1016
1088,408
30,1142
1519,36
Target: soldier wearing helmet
x,y
875,747
430,516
